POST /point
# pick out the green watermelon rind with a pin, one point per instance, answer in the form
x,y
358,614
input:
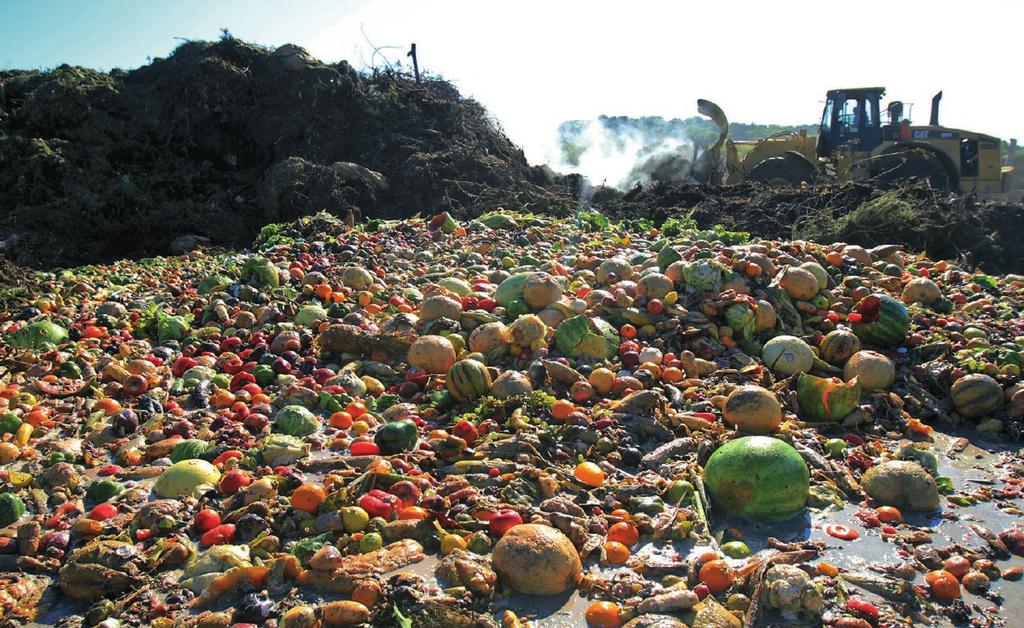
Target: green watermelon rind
x,y
891,327
767,461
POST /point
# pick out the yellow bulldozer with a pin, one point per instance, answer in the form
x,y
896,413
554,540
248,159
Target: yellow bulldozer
x,y
856,140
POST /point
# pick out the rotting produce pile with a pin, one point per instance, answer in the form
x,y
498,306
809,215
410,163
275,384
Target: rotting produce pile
x,y
423,423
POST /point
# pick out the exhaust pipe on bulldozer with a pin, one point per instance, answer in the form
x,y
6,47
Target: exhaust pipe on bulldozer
x,y
934,121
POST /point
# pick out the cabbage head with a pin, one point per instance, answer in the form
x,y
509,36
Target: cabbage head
x,y
587,338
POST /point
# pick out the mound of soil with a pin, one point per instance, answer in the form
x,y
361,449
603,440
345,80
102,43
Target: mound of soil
x,y
221,138
986,234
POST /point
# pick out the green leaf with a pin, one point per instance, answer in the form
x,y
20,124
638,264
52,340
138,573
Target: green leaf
x,y
403,621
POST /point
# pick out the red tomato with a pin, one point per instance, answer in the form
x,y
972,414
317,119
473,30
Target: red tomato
x,y
103,512
234,480
206,520
365,448
223,533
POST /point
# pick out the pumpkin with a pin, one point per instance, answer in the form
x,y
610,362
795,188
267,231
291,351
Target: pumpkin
x,y
874,370
838,345
528,331
468,379
819,273
551,316
440,306
882,320
921,290
357,278
858,253
433,354
976,395
615,267
753,409
511,384
787,355
799,283
654,286
537,560
764,316
488,337
674,272
541,290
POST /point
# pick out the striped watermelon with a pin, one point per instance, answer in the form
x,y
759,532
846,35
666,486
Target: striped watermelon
x,y
468,379
880,320
976,395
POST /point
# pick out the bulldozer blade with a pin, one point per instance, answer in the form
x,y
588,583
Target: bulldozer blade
x,y
707,168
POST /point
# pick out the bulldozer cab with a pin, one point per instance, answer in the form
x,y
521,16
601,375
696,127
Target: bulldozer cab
x,y
851,121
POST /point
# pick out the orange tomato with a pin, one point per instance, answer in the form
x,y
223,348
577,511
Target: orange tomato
x,y
413,513
323,291
589,473
367,592
834,258
671,375
616,553
604,614
627,331
624,532
340,420
943,585
356,409
889,514
717,575
562,408
308,497
957,565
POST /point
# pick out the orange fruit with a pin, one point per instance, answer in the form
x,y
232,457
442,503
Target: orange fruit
x,y
367,592
889,514
562,408
604,614
340,420
957,565
616,553
413,513
717,575
624,532
943,584
671,375
308,497
589,473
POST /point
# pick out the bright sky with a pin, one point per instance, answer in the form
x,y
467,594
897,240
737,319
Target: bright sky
x,y
534,64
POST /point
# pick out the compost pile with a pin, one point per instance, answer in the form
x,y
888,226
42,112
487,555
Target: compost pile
x,y
431,422
222,138
944,226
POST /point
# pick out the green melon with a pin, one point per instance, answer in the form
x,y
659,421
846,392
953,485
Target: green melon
x,y
884,321
976,395
758,478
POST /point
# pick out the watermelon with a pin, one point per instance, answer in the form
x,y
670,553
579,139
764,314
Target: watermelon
x,y
976,395
468,379
826,399
880,320
758,478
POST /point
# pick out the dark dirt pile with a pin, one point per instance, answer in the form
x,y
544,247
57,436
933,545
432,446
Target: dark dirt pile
x,y
221,138
987,234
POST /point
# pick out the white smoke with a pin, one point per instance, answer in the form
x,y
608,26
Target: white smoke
x,y
619,157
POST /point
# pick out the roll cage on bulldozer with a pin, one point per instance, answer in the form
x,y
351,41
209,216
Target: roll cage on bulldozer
x,y
857,140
